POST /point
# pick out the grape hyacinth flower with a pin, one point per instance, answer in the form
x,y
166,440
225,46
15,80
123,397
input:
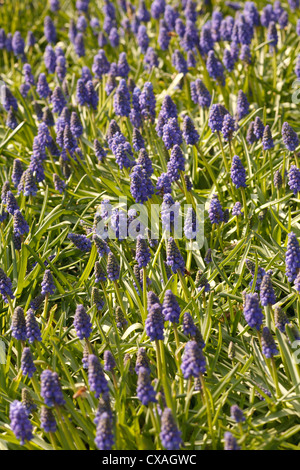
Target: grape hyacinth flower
x,y
242,107
190,134
207,258
100,275
48,421
171,133
121,321
75,125
33,332
230,442
237,414
278,180
92,95
27,364
191,225
96,377
5,286
113,268
267,294
228,60
238,173
11,120
176,163
294,179
258,128
82,323
143,38
269,348
18,44
99,151
215,212
37,302
163,184
189,327
8,100
97,299
154,323
260,273
51,389
215,68
289,137
141,187
81,92
228,127
142,252
109,361
50,59
49,30
151,59
200,94
123,67
27,401
152,299
80,241
122,99
216,117
292,257
19,422
18,326
20,225
59,184
170,435
11,203
101,245
142,361
272,36
163,35
179,62
252,311
280,319
237,209
193,361
48,286
58,100
157,8
174,257
168,110
170,307
147,102
169,213
245,54
114,37
138,142
267,139
100,65
104,439
145,391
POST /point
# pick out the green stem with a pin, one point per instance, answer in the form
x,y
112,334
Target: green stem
x,y
208,412
183,285
158,357
45,311
145,291
65,429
